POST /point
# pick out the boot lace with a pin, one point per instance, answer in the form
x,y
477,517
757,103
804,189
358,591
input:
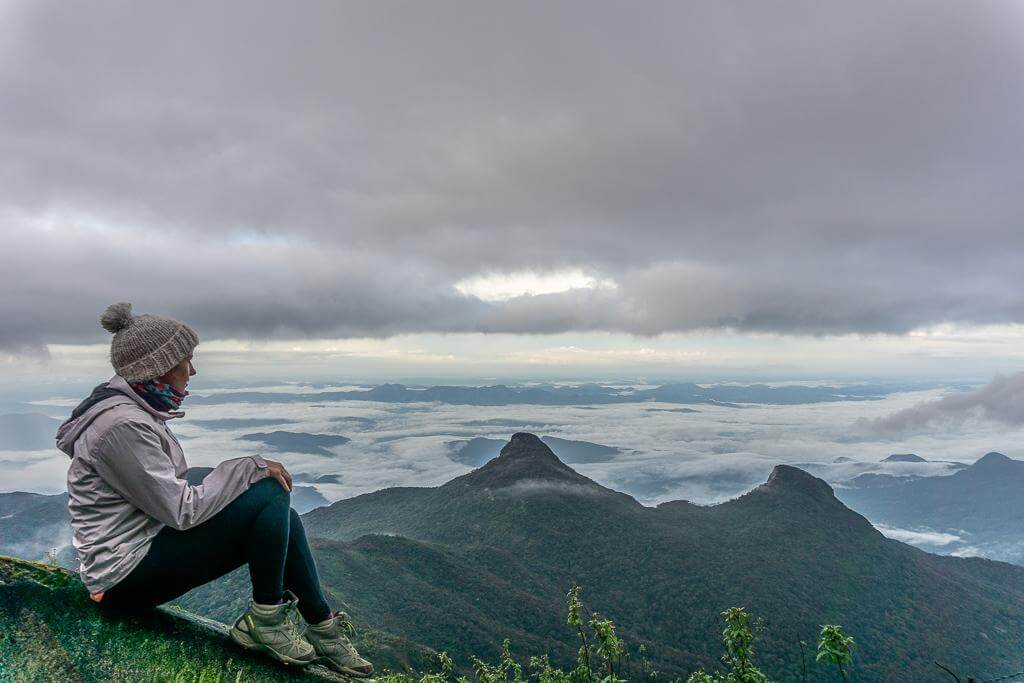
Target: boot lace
x,y
344,622
291,624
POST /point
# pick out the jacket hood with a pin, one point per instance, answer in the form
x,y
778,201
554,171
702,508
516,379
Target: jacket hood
x,y
116,391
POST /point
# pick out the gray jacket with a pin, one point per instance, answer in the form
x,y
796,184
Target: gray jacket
x,y
126,482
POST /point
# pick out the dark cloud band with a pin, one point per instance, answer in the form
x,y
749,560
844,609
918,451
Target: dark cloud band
x,y
335,171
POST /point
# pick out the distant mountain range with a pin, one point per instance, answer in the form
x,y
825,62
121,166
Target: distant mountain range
x,y
982,505
231,423
904,457
298,442
846,472
490,555
33,524
499,395
306,478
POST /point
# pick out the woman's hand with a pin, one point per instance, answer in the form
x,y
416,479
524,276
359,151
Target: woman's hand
x,y
277,471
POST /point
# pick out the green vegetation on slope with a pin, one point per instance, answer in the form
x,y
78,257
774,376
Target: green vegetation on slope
x,y
488,555
51,631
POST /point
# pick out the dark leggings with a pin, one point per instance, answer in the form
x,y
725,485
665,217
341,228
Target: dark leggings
x,y
258,527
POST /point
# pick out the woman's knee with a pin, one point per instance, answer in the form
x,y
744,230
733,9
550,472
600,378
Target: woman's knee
x,y
268,490
270,485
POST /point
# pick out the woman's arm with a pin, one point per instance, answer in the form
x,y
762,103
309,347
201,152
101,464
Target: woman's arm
x,y
129,458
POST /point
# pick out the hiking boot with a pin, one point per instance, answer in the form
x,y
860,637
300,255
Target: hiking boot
x,y
272,629
334,649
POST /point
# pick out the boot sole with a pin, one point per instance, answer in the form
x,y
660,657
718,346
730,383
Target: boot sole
x,y
353,673
246,641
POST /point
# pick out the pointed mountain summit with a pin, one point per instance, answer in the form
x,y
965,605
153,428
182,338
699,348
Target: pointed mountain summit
x,y
786,479
519,492
801,502
524,457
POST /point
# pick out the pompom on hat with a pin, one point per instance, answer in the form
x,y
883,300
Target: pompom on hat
x,y
145,346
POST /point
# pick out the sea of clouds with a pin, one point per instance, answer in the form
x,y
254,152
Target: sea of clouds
x,y
705,457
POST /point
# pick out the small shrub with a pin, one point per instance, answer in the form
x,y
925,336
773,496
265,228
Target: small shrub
x,y
835,647
599,659
738,636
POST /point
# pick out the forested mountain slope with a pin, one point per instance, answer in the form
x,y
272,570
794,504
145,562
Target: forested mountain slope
x,y
492,553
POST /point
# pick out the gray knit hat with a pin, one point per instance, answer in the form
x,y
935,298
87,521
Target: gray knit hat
x,y
145,346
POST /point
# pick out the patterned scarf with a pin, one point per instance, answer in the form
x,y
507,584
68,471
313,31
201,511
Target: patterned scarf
x,y
159,396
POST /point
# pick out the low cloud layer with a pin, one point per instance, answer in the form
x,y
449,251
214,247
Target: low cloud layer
x,y
337,169
705,457
1001,401
927,537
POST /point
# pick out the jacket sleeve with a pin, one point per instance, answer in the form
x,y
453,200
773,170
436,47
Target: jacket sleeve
x,y
129,457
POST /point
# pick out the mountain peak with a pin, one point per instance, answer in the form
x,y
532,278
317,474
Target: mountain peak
x,y
786,478
904,457
524,457
993,462
525,441
529,453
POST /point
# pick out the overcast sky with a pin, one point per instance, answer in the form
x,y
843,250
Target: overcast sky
x,y
683,185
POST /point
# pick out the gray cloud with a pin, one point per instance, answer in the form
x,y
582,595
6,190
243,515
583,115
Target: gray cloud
x,y
797,168
1001,400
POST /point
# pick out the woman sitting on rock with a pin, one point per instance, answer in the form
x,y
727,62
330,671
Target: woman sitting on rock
x,y
148,530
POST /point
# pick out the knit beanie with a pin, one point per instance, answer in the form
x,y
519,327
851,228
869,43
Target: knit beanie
x,y
145,346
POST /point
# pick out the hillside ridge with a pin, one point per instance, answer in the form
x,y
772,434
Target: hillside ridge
x,y
50,630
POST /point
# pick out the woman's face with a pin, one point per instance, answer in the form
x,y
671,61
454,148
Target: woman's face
x,y
178,376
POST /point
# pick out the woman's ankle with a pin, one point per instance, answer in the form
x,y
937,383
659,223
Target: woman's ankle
x,y
321,620
268,601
